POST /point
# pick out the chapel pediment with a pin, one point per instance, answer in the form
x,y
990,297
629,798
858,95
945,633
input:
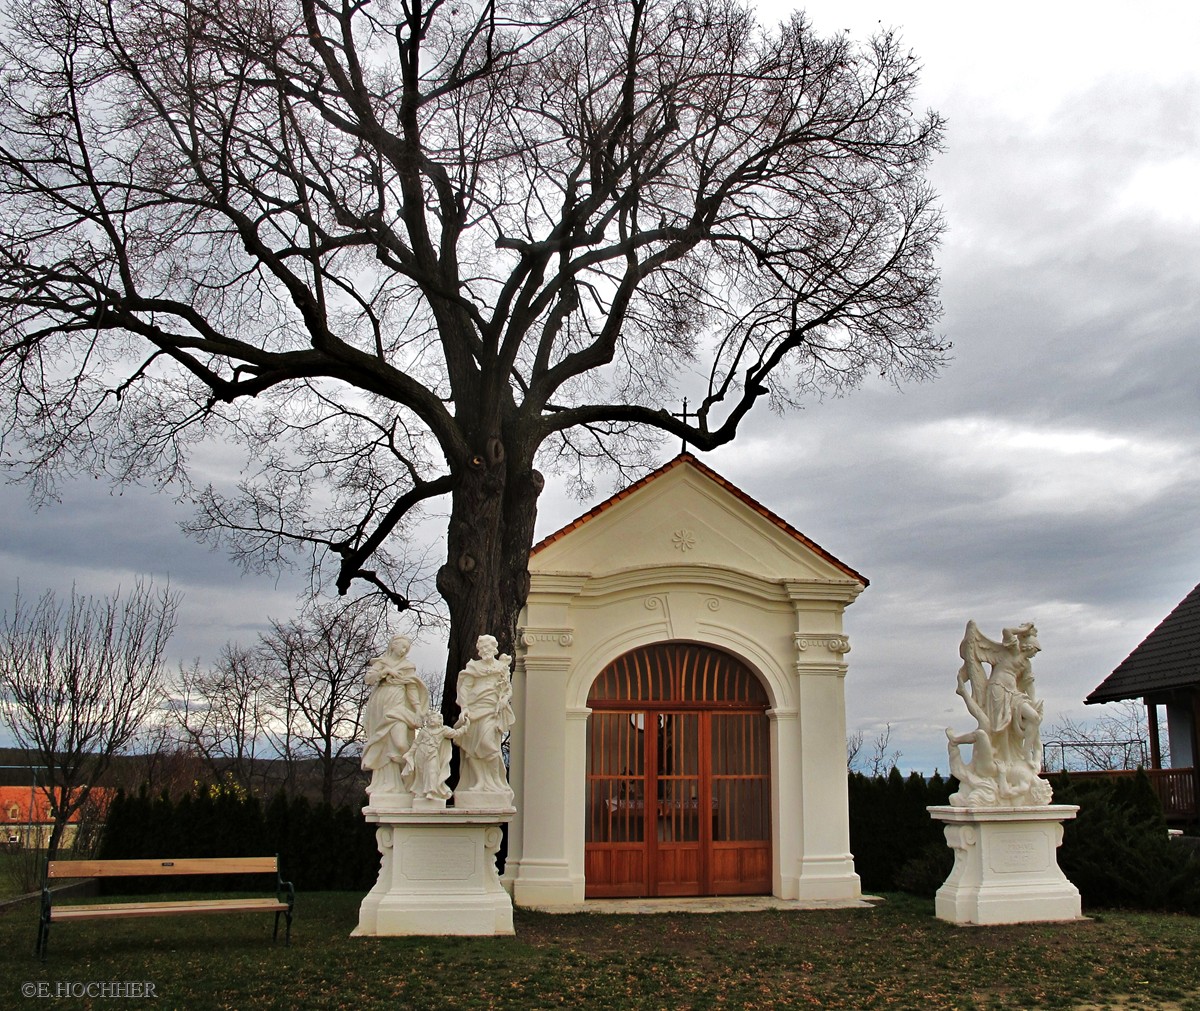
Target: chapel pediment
x,y
685,514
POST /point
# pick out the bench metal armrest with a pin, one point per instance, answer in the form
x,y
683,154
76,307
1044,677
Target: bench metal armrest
x,y
282,889
285,888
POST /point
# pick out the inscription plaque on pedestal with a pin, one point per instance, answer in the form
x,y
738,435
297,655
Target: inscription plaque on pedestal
x,y
438,858
1019,854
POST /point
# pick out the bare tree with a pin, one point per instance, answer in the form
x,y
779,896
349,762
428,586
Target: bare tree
x,y
226,712
1116,739
408,249
158,760
318,661
879,762
80,679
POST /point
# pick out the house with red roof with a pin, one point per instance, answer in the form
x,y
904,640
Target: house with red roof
x,y
680,705
26,816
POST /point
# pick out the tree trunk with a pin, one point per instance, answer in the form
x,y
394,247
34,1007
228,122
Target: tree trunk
x,y
327,779
56,835
485,580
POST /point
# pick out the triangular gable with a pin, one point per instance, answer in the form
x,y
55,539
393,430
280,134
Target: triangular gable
x,y
685,512
1168,658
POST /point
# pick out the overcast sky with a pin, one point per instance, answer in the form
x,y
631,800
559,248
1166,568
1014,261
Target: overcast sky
x,y
1050,474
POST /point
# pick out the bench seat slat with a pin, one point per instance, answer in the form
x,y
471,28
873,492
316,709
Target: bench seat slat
x,y
115,909
136,868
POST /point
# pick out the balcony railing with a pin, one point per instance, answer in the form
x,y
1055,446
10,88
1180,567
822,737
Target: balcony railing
x,y
1176,788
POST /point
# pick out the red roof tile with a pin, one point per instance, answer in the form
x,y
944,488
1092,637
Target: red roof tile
x,y
15,803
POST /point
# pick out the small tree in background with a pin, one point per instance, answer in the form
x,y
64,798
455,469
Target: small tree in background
x,y
878,761
225,713
317,663
1116,739
81,679
158,759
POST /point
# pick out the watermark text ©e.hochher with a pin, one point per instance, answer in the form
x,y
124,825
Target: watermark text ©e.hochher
x,y
96,989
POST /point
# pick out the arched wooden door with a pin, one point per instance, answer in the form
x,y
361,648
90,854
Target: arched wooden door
x,y
678,776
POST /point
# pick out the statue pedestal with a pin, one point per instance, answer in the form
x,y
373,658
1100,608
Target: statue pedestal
x,y
390,801
1005,865
484,800
437,874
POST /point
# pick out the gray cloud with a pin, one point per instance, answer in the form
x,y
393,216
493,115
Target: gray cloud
x,y
1052,472
99,538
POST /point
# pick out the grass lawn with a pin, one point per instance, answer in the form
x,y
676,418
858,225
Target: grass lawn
x,y
894,956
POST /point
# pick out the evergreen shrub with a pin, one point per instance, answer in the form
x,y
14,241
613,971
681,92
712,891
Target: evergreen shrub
x,y
1116,850
891,834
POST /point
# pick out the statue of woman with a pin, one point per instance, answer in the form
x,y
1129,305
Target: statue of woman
x,y
394,710
485,700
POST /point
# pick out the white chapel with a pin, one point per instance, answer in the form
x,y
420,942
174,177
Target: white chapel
x,y
678,689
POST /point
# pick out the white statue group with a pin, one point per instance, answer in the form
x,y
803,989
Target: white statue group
x,y
408,746
1006,746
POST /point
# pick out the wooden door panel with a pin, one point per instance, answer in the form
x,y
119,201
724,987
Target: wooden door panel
x,y
678,870
741,868
615,871
678,776
615,855
616,779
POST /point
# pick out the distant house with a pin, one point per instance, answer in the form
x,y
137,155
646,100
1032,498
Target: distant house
x,y
1165,671
26,817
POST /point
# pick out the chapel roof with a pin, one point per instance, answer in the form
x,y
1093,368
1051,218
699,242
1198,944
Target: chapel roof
x,y
686,459
1168,658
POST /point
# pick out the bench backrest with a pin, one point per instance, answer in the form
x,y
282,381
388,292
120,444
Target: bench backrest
x,y
139,868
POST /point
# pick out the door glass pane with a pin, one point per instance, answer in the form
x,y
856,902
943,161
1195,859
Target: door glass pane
x,y
741,784
616,800
679,777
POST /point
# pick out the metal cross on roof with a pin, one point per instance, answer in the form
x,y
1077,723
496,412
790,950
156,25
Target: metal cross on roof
x,y
683,416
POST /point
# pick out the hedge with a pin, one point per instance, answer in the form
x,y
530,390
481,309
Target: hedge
x,y
1116,851
320,848
892,837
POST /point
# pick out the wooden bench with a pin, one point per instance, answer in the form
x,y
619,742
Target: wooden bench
x,y
284,901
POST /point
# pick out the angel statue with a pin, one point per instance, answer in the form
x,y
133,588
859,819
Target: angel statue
x,y
1006,746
